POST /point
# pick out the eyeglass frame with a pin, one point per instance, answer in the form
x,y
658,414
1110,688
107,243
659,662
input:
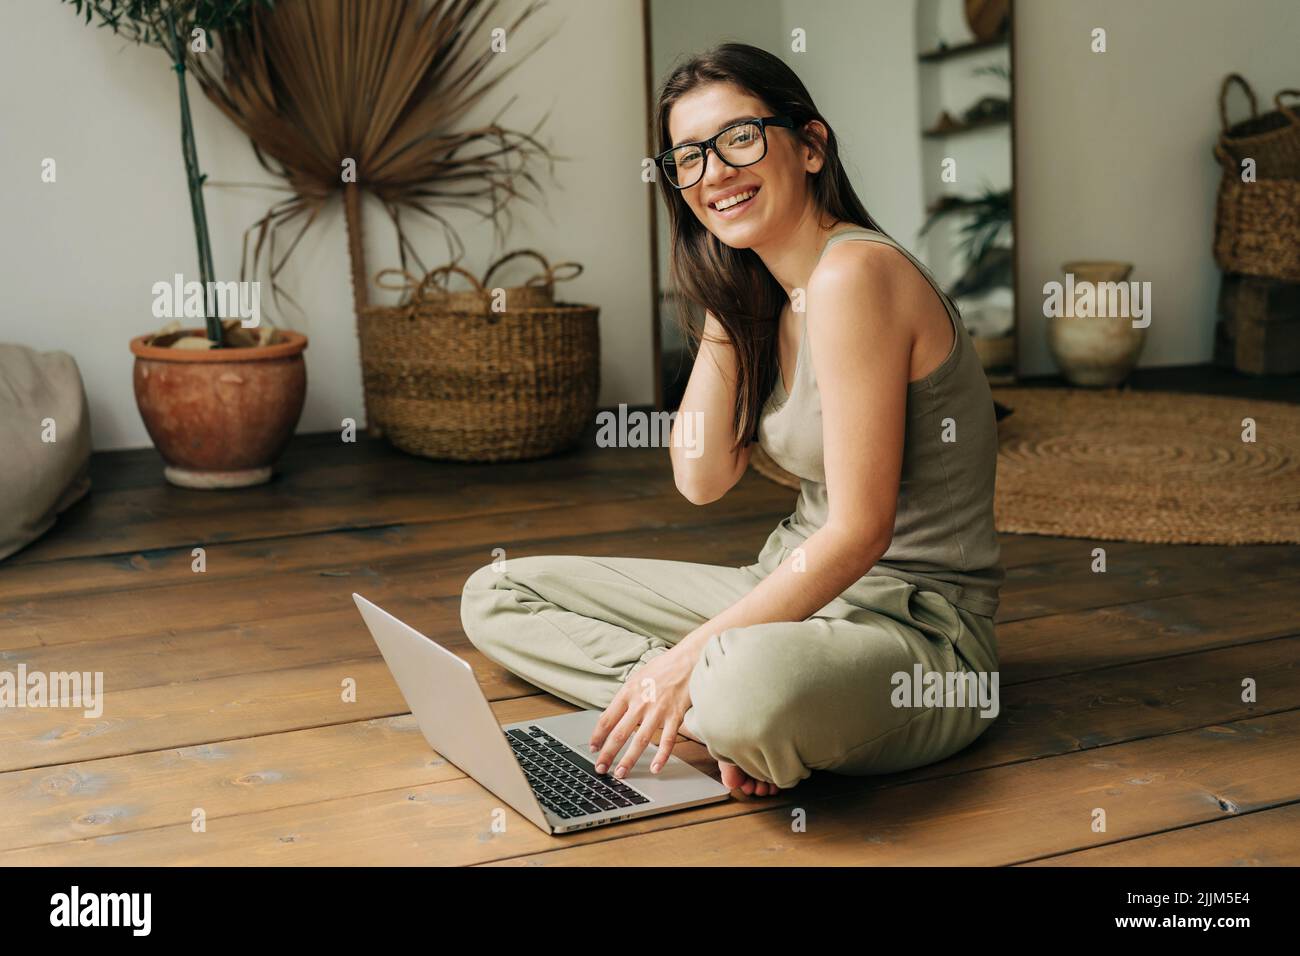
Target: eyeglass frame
x,y
711,144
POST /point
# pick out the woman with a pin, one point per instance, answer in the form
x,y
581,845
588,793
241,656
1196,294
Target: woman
x,y
832,347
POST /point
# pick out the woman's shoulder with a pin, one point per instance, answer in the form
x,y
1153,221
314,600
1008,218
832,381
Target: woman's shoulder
x,y
876,291
875,269
877,273
862,248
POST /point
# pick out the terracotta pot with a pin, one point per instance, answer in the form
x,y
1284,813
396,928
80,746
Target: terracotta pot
x,y
1096,351
220,418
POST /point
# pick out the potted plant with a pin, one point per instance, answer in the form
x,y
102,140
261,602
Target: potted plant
x,y
221,401
986,215
375,109
988,268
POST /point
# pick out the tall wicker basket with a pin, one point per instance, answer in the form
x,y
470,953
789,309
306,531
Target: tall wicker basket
x,y
448,376
1257,224
1271,139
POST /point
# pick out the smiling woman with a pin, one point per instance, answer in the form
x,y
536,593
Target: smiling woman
x,y
889,564
735,199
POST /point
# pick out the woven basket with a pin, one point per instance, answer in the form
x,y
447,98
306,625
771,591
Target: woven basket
x,y
447,377
1257,224
1257,227
536,292
1271,140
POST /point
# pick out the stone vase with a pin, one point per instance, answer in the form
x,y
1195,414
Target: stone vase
x,y
1096,351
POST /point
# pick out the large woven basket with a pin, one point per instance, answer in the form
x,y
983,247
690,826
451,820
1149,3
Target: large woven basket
x,y
537,292
1257,227
1257,224
448,376
1272,139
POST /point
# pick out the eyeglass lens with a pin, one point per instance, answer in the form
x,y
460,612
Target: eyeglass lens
x,y
741,145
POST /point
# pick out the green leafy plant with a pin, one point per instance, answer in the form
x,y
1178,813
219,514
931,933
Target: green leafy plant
x,y
179,28
984,215
1000,70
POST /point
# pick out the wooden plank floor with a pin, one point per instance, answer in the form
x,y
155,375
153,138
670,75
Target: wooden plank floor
x,y
1121,692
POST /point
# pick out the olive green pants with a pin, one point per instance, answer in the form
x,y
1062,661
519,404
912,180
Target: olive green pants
x,y
778,700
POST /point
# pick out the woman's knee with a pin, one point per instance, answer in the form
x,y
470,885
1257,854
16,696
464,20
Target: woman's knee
x,y
491,593
486,594
747,698
483,579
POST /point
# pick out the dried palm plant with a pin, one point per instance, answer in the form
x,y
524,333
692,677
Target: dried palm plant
x,y
353,96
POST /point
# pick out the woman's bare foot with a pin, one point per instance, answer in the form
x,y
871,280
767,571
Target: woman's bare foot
x,y
736,779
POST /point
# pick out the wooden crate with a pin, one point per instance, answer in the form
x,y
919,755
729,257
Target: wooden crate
x,y
1225,349
1260,325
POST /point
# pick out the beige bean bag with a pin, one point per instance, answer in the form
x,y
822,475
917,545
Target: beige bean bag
x,y
44,442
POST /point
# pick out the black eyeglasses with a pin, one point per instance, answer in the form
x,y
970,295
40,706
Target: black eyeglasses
x,y
740,144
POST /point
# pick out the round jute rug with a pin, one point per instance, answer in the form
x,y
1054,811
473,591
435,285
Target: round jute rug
x,y
1157,467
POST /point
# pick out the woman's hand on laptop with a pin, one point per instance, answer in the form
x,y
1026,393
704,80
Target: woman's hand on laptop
x,y
652,702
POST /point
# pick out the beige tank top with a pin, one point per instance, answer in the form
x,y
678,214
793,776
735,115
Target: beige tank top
x,y
944,538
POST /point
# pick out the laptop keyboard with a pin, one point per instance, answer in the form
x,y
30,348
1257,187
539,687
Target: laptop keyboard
x,y
564,782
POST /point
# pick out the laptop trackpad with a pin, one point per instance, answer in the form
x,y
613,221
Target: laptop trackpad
x,y
575,730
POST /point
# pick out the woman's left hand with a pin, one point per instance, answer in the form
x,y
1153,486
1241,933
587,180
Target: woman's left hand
x,y
652,700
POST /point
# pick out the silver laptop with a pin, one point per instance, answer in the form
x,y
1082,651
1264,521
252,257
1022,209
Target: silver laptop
x,y
540,767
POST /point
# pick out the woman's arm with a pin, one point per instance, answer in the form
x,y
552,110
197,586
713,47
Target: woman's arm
x,y
704,466
861,341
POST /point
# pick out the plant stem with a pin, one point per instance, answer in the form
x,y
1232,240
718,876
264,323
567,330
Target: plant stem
x,y
194,179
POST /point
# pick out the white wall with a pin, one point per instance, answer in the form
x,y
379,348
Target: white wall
x,y
861,69
1113,150
1113,161
78,257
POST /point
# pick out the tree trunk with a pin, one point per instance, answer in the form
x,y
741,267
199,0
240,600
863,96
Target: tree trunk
x,y
360,287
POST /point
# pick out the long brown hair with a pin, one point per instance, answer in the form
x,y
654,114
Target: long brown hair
x,y
734,284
